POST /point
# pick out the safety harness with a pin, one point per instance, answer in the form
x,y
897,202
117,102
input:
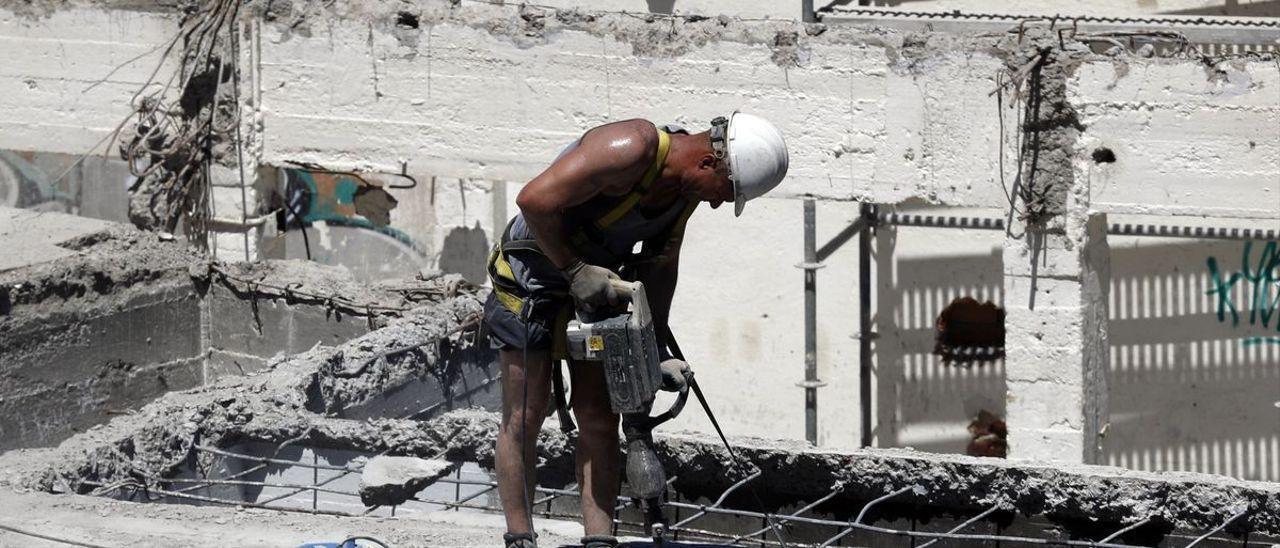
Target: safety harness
x,y
518,300
521,302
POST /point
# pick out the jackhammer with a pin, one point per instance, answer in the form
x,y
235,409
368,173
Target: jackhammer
x,y
626,346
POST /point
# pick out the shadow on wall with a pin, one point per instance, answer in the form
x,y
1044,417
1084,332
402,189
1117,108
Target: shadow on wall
x,y
1195,357
465,251
920,401
661,6
1265,8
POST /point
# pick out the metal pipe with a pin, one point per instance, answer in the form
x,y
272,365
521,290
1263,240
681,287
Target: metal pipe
x,y
842,238
810,323
806,12
865,334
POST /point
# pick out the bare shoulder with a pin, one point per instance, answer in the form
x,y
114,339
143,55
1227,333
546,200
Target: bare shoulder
x,y
628,143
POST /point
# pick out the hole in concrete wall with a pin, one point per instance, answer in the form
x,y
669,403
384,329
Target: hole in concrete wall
x,y
407,20
968,331
990,436
375,204
1103,155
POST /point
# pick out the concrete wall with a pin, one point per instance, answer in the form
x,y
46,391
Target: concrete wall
x,y
63,374
245,331
1206,136
477,100
860,123
67,78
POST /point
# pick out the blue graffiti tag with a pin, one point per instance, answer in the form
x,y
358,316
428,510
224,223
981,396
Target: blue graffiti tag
x,y
1261,279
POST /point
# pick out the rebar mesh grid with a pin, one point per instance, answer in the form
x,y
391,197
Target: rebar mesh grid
x,y
687,516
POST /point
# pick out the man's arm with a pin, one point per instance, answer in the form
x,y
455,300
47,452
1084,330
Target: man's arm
x,y
609,159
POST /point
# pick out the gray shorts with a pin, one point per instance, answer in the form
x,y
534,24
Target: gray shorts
x,y
542,329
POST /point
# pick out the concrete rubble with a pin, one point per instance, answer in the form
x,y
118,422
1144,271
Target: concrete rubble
x,y
388,481
103,318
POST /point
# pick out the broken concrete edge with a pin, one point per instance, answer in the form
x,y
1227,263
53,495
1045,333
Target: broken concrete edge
x,y
649,34
109,263
272,404
307,282
105,262
158,440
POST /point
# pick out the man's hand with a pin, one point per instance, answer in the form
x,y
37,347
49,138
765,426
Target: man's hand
x,y
674,373
591,285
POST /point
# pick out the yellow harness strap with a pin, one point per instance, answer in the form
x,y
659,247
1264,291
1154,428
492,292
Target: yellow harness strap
x,y
664,144
501,274
505,285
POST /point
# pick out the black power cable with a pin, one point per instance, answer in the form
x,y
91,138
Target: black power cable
x,y
697,391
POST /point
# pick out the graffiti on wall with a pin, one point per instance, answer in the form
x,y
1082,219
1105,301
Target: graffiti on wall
x,y
339,199
343,219
1256,282
90,186
25,185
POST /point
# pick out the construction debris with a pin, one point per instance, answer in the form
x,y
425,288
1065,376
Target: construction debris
x,y
388,481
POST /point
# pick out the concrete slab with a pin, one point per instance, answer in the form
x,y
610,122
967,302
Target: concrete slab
x,y
389,481
32,237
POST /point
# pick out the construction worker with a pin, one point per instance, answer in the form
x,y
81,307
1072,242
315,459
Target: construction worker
x,y
620,187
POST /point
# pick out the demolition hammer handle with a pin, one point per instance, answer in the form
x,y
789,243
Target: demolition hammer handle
x,y
624,288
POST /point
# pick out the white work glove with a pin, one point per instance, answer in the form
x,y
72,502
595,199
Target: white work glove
x,y
673,374
591,285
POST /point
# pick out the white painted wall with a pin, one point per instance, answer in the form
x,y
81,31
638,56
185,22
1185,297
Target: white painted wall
x,y
1187,140
482,113
66,80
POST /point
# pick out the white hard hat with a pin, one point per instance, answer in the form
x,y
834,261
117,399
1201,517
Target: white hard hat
x,y
757,157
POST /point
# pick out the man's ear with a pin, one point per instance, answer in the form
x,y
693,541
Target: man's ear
x,y
708,161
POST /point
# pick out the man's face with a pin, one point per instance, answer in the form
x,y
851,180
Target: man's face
x,y
711,183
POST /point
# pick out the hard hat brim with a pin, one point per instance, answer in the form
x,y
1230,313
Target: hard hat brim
x,y
739,199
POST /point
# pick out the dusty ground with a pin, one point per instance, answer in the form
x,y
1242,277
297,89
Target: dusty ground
x,y
112,523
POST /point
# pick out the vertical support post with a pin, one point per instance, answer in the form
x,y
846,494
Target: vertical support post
x,y
865,335
315,480
806,12
1056,286
810,323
